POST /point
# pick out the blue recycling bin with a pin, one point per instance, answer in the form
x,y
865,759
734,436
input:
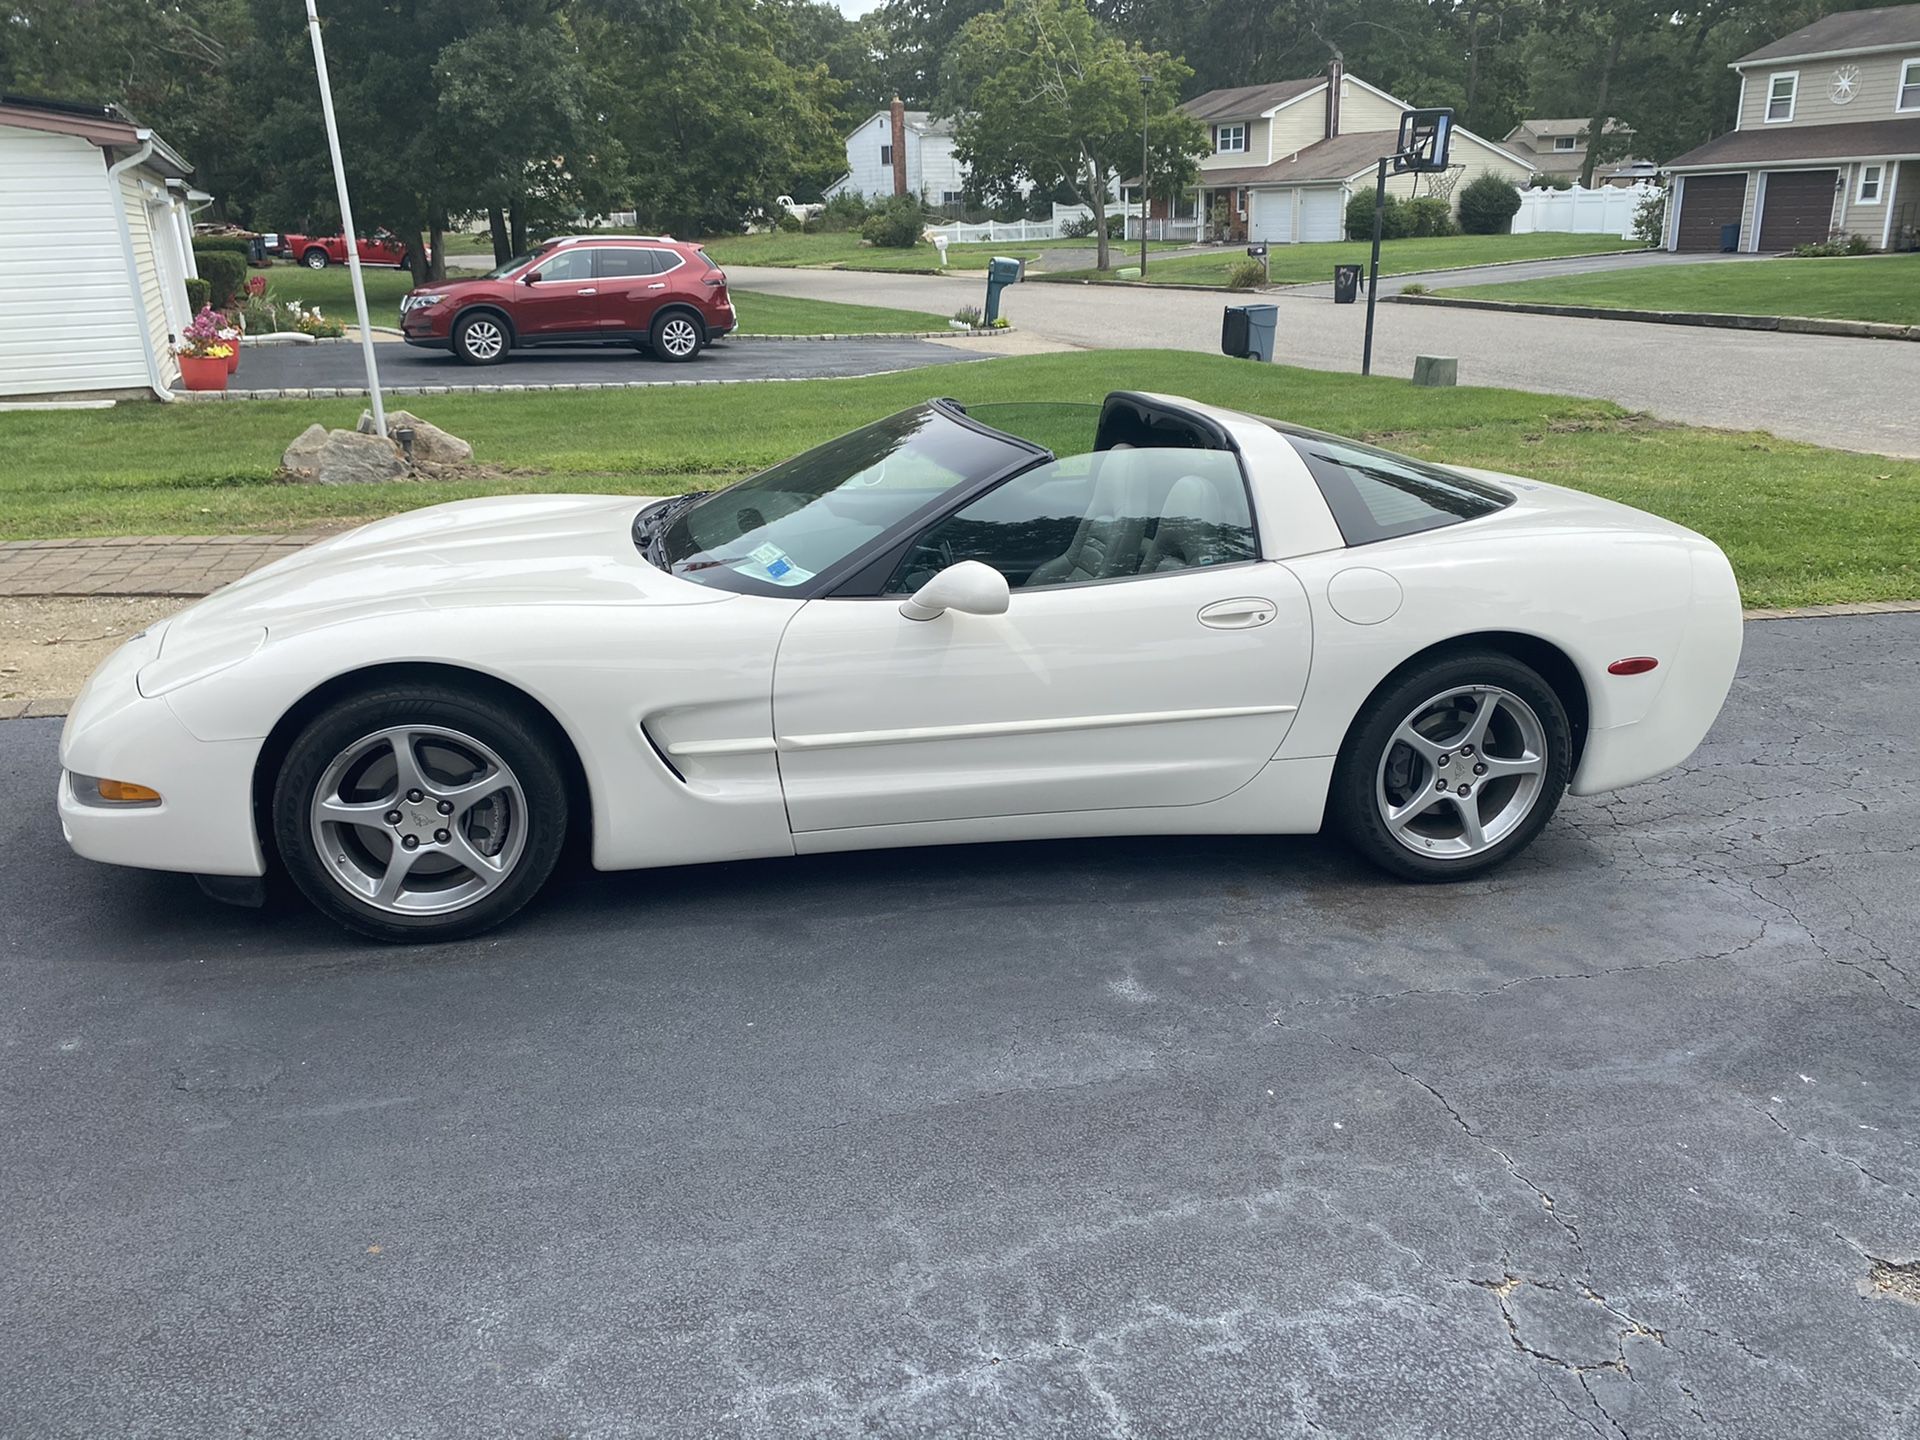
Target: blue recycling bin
x,y
1730,236
1001,272
1246,331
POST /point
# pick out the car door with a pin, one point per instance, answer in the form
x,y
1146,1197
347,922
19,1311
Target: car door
x,y
557,297
630,287
1146,657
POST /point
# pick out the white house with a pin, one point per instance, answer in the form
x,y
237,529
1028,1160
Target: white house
x,y
898,151
95,249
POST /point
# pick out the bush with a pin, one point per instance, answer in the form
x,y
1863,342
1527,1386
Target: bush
x,y
236,243
1078,228
1650,220
1117,226
842,212
1249,274
896,224
968,315
1414,287
786,221
1850,245
199,295
1487,205
1549,182
1430,215
224,272
1396,219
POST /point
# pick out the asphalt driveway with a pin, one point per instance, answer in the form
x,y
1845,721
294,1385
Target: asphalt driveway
x,y
339,366
1210,1137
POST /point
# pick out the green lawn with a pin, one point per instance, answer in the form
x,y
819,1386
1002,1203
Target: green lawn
x,y
1863,287
844,251
332,290
1299,264
1803,525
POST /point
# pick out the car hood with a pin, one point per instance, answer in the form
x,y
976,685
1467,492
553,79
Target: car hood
x,y
457,289
506,550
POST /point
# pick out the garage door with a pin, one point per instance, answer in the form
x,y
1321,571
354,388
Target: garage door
x,y
1706,203
1272,217
1796,208
1322,214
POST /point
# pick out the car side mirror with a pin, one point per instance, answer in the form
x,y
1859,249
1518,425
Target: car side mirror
x,y
969,587
532,277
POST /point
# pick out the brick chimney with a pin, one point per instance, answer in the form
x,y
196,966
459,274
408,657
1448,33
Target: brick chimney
x,y
1336,73
898,111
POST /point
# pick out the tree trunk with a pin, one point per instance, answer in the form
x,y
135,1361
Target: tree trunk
x,y
517,227
497,227
417,258
1097,201
1597,125
437,261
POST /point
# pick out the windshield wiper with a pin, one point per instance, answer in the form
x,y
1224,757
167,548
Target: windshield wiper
x,y
650,525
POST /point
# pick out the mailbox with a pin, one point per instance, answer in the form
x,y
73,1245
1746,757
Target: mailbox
x,y
1002,271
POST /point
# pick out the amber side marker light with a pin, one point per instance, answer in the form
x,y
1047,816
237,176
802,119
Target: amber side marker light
x,y
1637,665
125,792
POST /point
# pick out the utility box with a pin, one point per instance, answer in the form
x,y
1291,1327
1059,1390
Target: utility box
x,y
1246,331
1346,284
1002,271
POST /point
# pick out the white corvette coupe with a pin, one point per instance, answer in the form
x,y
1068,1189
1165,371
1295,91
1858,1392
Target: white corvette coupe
x,y
1146,617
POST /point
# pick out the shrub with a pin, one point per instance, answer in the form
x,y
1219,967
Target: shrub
x,y
1396,218
896,224
1413,287
199,295
786,221
235,243
1430,215
1117,226
842,212
224,272
1849,245
1219,220
1249,274
1487,205
1078,228
1549,182
1650,220
968,315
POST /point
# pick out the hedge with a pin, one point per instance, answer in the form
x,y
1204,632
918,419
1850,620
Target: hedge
x,y
199,296
224,272
236,243
1488,205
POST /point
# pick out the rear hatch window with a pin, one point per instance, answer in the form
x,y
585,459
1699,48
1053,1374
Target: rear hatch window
x,y
1378,495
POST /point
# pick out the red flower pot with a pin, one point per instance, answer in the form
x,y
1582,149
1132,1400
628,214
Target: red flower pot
x,y
233,360
203,372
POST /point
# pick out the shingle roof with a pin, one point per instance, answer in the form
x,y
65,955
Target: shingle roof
x,y
1863,138
1246,101
1849,30
1336,159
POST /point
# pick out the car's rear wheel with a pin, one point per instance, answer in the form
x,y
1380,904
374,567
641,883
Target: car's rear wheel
x,y
1454,767
420,812
481,339
314,259
676,336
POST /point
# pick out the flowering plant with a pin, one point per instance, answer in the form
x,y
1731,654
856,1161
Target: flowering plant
x,y
209,336
312,322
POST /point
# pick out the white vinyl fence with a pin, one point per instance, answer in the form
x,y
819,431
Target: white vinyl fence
x,y
998,232
1161,229
1606,211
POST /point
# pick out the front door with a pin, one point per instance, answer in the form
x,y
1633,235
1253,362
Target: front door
x,y
561,298
1146,657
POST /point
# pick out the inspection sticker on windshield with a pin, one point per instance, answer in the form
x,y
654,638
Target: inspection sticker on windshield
x,y
778,565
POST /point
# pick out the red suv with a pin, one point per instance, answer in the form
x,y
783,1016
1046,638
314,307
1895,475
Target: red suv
x,y
654,293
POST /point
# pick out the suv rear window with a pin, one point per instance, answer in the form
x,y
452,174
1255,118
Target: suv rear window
x,y
1378,495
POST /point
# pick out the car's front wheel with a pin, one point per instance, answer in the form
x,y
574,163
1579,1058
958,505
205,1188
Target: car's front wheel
x,y
481,339
420,812
1454,767
676,336
315,259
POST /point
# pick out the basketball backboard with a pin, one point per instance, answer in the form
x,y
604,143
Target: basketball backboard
x,y
1424,137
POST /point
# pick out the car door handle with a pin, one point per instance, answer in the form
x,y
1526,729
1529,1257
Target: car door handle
x,y
1243,614
588,291
658,285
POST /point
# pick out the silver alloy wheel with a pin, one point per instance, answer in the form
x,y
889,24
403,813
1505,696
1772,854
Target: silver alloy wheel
x,y
483,339
418,820
316,260
1462,772
679,337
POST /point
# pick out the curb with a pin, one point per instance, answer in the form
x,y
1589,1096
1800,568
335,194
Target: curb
x,y
54,709
1783,324
1293,285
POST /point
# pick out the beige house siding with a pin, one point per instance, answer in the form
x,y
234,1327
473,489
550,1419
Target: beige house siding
x,y
1475,158
1302,123
146,262
1361,109
1868,221
1254,154
1873,94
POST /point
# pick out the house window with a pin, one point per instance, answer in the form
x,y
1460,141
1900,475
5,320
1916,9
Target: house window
x,y
951,197
1229,139
1564,142
1870,177
1907,97
1781,92
886,154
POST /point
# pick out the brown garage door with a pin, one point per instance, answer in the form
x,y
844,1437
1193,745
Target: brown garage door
x,y
1706,203
1796,208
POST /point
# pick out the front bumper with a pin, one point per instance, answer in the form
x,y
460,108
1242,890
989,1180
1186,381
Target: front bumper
x,y
429,342
203,822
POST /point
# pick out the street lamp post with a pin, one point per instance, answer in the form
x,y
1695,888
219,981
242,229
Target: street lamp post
x,y
1146,89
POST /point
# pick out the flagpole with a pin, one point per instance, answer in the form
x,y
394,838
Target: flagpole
x,y
349,236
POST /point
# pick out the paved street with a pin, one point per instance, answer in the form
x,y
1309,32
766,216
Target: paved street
x,y
1209,1137
1854,394
329,366
1535,270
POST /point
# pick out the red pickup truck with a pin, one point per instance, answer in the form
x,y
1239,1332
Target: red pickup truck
x,y
316,252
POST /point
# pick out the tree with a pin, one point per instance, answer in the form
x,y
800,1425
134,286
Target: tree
x,y
1042,94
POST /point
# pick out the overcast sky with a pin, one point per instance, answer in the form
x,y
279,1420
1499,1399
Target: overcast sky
x,y
857,7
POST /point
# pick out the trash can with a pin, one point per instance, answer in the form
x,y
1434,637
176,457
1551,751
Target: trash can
x,y
1730,236
1001,272
1346,284
1246,331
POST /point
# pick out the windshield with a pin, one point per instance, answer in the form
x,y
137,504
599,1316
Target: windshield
x,y
500,272
786,525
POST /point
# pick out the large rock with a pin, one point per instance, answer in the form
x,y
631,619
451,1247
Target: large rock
x,y
432,446
342,457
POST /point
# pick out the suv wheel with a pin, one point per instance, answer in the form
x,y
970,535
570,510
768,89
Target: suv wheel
x,y
315,259
481,339
676,336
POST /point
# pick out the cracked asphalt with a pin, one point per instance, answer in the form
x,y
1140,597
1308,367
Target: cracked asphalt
x,y
1222,1137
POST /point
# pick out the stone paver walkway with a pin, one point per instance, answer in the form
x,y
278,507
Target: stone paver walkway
x,y
186,565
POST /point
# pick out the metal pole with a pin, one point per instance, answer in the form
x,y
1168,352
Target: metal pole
x,y
1145,90
1373,270
347,232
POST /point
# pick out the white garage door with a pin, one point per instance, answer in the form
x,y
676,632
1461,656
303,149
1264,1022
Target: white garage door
x,y
1272,217
1321,214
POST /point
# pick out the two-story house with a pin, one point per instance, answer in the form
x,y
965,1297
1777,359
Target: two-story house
x,y
1284,158
1826,142
898,151
1558,151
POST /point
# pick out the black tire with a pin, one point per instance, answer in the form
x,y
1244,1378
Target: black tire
x,y
520,739
677,336
1369,773
314,258
482,338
